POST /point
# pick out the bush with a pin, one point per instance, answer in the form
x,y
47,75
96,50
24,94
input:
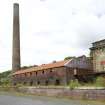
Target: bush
x,y
73,84
5,81
5,78
100,82
19,85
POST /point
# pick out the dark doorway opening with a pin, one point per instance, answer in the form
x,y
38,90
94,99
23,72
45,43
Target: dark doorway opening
x,y
31,83
38,82
14,84
57,82
24,83
46,83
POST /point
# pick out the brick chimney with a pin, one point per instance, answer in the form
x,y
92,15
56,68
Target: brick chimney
x,y
16,64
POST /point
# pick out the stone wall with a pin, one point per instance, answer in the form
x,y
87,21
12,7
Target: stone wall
x,y
90,94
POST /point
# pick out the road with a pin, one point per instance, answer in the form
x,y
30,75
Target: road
x,y
7,99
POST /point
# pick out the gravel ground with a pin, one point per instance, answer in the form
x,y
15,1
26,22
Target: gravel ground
x,y
8,99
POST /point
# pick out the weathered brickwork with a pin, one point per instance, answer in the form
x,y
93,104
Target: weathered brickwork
x,y
55,76
16,62
58,73
98,56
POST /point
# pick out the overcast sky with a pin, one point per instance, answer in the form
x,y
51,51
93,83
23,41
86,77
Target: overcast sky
x,y
51,29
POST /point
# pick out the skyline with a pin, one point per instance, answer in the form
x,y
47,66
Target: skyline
x,y
51,30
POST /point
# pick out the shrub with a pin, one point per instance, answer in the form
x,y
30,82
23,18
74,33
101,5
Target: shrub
x,y
73,84
19,85
100,82
5,81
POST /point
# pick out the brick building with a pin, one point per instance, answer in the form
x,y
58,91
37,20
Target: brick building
x,y
56,73
98,56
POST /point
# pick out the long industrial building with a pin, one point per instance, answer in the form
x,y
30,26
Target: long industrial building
x,y
55,73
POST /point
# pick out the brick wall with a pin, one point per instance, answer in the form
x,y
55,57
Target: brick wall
x,y
55,76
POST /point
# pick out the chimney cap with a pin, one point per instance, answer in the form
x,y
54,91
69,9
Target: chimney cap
x,y
16,4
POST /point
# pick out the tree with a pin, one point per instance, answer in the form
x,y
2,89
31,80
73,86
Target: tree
x,y
100,82
73,84
5,78
69,57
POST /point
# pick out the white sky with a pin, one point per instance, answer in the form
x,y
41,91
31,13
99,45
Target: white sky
x,y
51,29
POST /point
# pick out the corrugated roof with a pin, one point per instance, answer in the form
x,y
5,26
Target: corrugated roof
x,y
42,67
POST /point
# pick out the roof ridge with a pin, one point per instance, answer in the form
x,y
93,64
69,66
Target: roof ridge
x,y
43,67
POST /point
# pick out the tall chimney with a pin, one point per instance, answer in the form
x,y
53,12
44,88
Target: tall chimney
x,y
16,39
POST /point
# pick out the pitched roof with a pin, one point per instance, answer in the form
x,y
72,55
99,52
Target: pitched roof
x,y
42,67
